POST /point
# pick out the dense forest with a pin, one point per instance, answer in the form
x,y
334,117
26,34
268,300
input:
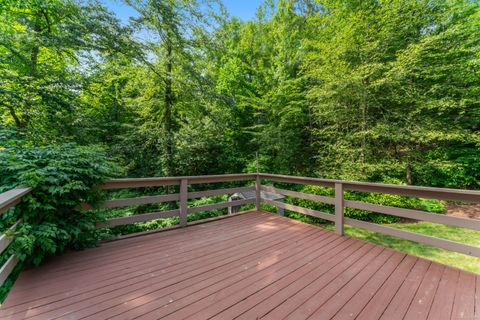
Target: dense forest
x,y
367,90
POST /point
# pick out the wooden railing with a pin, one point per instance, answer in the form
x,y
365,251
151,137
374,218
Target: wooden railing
x,y
8,200
341,203
13,197
182,197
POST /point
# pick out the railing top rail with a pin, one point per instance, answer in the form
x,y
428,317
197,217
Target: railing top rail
x,y
412,191
10,198
166,181
404,190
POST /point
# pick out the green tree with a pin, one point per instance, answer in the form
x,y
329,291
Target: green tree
x,y
47,49
175,31
381,75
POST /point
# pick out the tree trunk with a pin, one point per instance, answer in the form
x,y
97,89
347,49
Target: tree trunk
x,y
409,173
167,118
19,123
23,121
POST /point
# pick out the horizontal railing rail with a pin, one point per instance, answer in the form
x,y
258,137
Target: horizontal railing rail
x,y
171,181
12,197
182,197
341,203
396,189
8,200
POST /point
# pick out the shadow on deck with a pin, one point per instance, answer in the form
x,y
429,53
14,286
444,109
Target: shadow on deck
x,y
248,266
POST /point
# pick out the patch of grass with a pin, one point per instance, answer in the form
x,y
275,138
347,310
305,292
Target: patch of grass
x,y
450,258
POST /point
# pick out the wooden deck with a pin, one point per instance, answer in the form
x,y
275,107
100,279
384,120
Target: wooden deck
x,y
249,266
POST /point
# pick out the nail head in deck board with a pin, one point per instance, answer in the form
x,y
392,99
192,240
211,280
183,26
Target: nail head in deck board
x,y
404,281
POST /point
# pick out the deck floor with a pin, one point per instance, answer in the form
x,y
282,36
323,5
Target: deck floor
x,y
250,266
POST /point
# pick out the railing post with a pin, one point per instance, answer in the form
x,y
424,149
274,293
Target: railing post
x,y
257,193
339,208
183,202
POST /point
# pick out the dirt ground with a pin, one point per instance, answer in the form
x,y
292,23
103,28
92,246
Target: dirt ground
x,y
471,211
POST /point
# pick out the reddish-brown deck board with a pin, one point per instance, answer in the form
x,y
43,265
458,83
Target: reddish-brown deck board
x,y
443,303
464,305
422,302
125,298
249,266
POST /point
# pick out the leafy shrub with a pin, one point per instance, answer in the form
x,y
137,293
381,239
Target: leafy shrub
x,y
62,177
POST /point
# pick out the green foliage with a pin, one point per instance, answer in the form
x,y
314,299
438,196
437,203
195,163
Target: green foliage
x,y
356,90
62,177
47,48
395,91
